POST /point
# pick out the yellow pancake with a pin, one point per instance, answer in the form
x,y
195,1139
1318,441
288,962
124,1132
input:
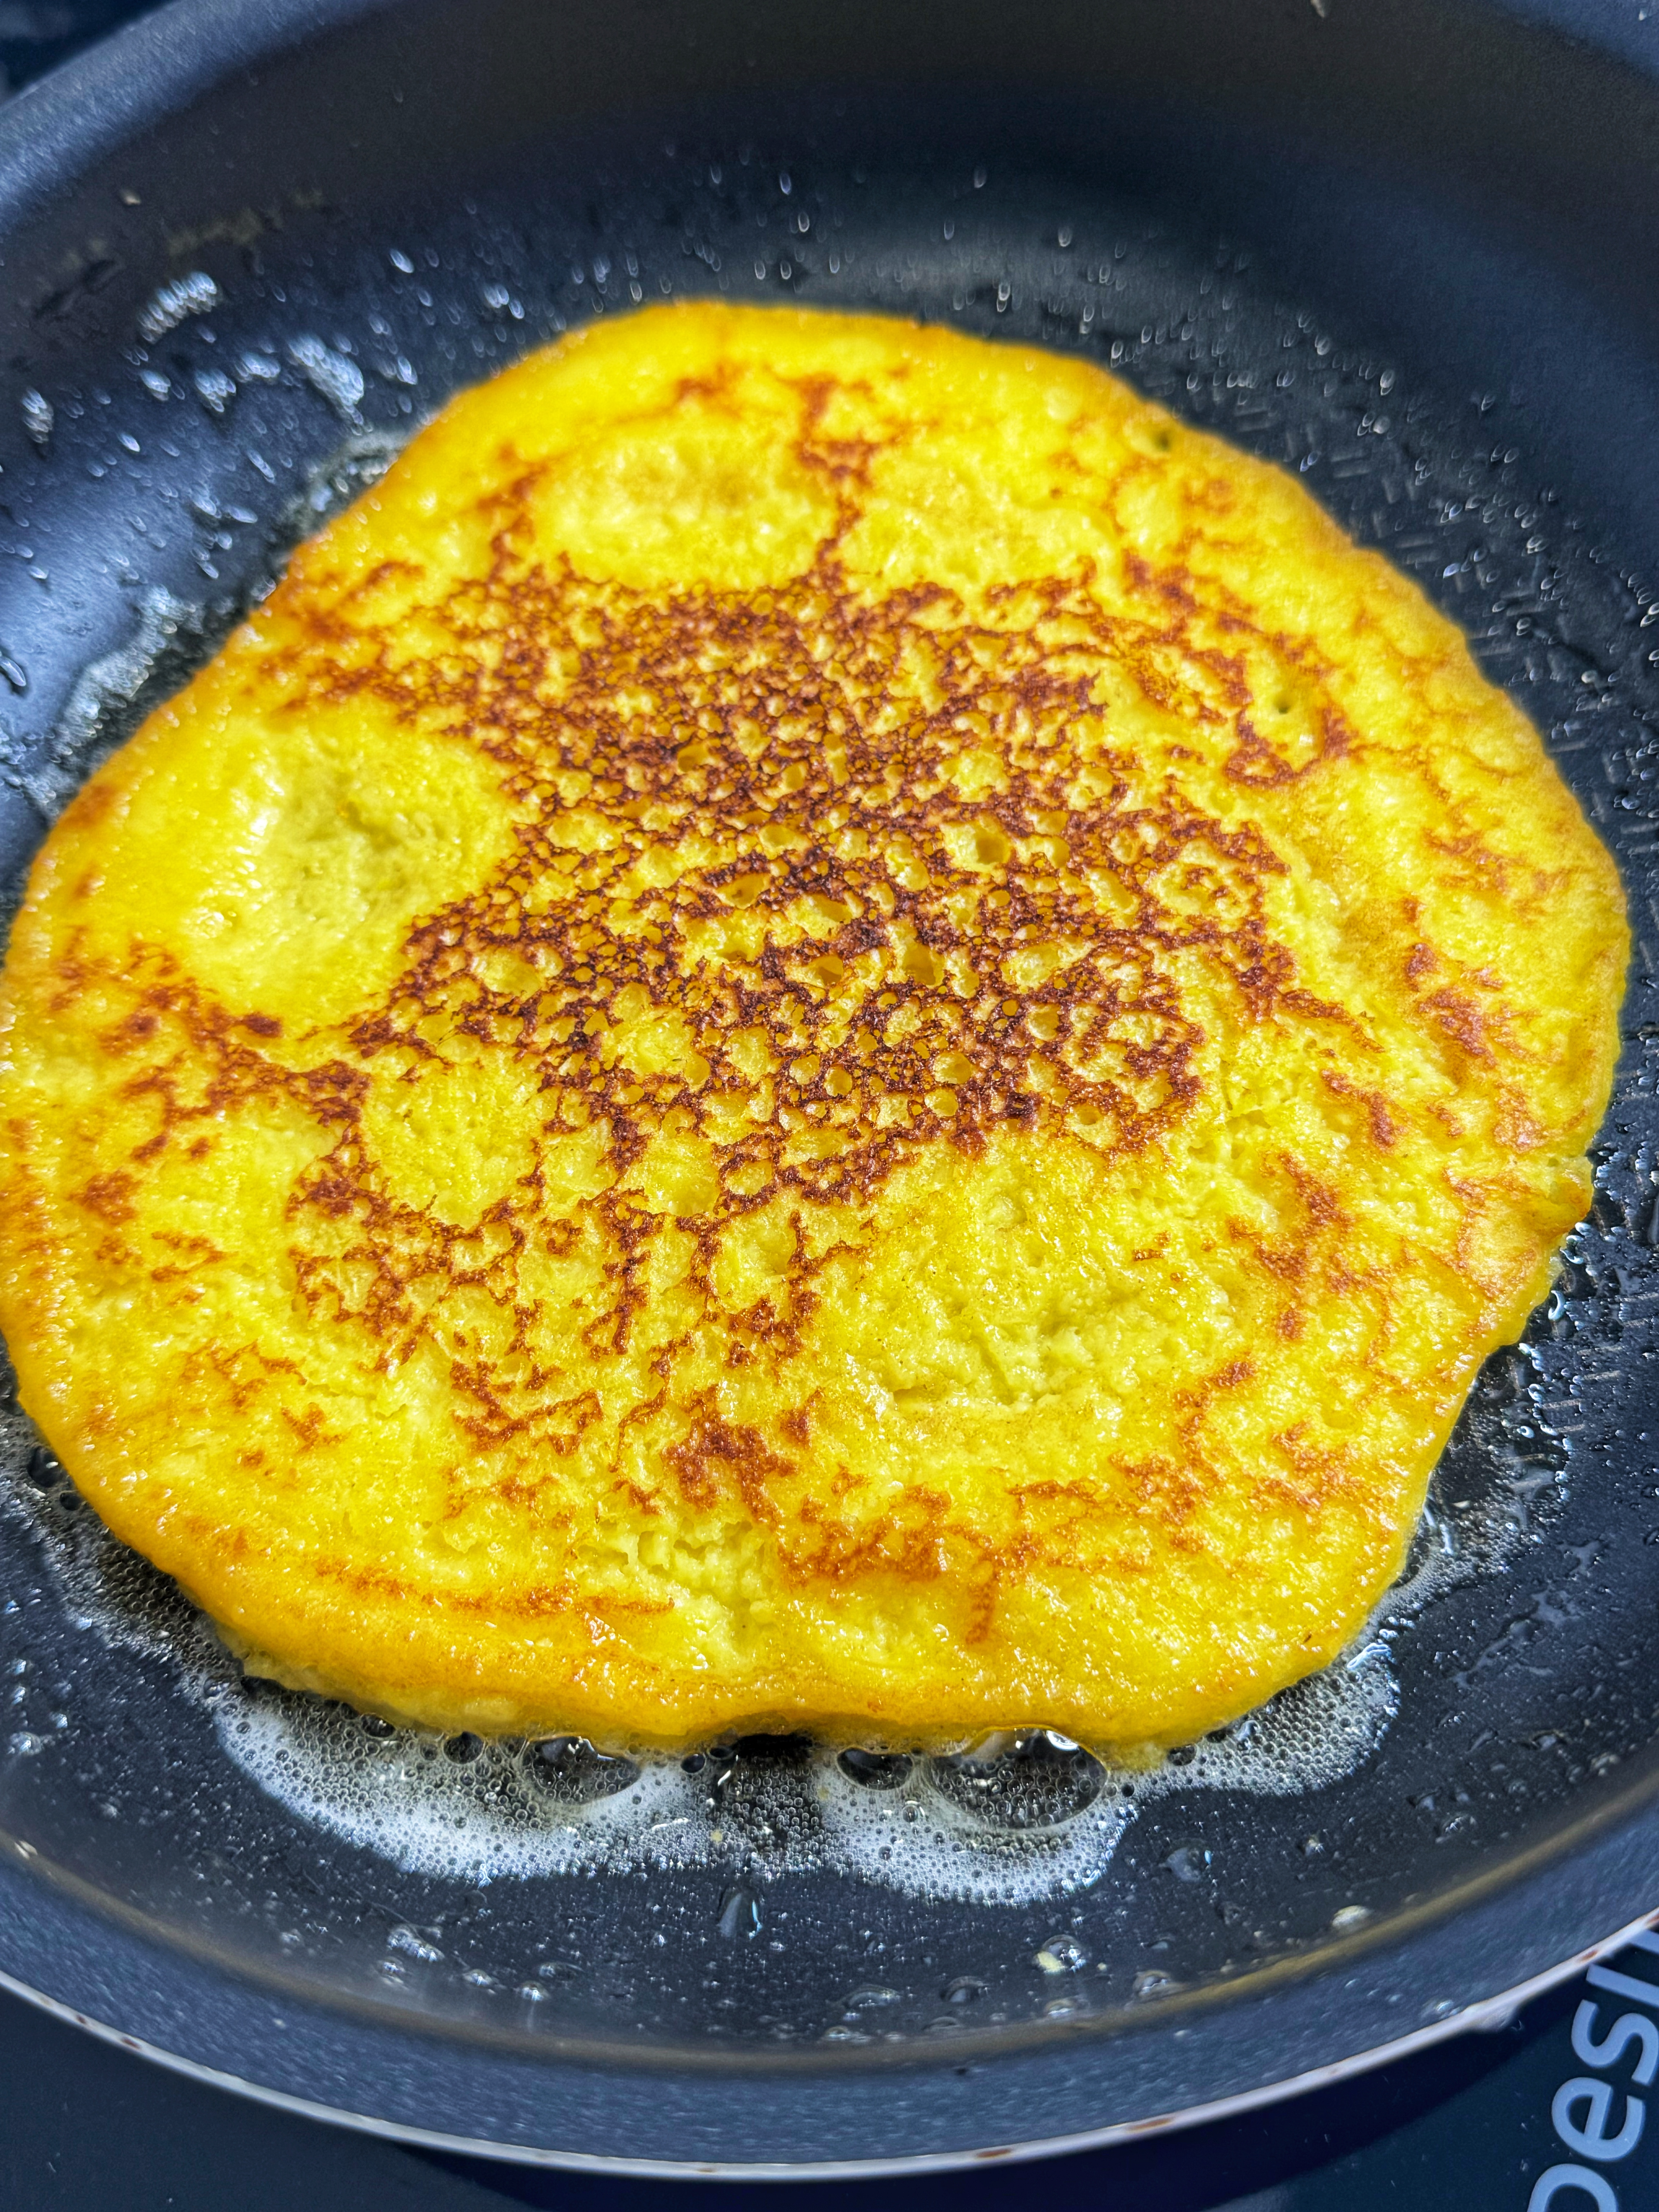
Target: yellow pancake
x,y
824,1028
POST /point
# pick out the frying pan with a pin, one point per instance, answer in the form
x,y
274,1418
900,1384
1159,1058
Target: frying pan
x,y
1404,246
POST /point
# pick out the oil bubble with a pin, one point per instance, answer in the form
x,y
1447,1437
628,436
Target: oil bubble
x,y
195,294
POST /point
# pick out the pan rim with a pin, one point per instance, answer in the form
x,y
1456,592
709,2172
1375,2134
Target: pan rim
x,y
58,125
1488,2017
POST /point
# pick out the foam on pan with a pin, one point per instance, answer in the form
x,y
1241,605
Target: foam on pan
x,y
1014,1822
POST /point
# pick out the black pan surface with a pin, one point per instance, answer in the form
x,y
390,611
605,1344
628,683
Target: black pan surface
x,y
1402,248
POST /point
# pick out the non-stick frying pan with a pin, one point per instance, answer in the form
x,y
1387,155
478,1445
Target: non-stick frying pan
x,y
1406,246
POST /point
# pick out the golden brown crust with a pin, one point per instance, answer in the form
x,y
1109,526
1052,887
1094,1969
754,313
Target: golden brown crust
x,y
822,1026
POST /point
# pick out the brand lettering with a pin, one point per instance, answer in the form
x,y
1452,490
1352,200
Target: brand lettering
x,y
1598,2120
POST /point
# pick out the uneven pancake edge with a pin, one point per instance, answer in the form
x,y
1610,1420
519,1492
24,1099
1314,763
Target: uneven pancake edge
x,y
822,1026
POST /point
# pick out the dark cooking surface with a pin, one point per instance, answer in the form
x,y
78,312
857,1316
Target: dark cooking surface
x,y
1526,1696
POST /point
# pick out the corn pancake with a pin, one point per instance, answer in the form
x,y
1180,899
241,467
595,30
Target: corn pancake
x,y
823,1027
